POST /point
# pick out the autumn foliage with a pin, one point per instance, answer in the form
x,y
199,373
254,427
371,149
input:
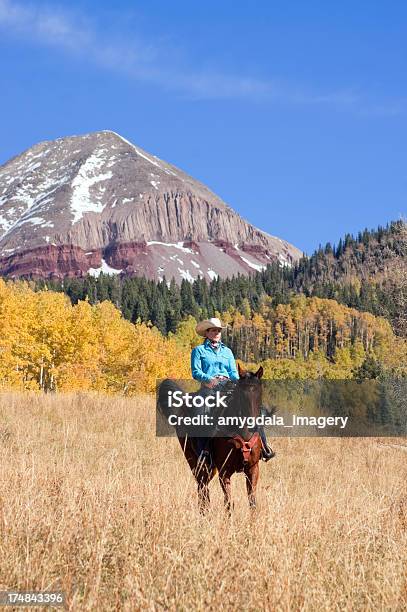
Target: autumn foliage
x,y
46,343
312,338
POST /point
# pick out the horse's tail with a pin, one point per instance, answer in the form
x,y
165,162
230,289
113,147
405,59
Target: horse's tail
x,y
167,387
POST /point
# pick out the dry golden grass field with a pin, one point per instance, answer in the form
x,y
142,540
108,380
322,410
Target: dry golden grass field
x,y
91,502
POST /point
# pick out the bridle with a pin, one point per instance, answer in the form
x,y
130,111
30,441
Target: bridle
x,y
246,446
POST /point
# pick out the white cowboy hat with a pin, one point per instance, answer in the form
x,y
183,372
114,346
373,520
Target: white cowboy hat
x,y
203,326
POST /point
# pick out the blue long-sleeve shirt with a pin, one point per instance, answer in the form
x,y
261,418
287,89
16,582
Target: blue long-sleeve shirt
x,y
207,362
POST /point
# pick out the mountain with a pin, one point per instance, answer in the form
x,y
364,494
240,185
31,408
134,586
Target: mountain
x,y
367,272
92,203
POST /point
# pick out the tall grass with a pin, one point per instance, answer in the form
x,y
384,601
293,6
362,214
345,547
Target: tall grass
x,y
91,502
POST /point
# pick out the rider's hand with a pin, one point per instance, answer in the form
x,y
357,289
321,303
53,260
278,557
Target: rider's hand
x,y
211,383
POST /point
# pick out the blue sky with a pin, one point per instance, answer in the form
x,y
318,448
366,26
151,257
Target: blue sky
x,y
293,112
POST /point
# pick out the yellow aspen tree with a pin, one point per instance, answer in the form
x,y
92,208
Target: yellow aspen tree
x,y
185,335
81,370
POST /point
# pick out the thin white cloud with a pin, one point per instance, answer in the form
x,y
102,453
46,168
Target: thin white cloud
x,y
44,26
50,26
77,35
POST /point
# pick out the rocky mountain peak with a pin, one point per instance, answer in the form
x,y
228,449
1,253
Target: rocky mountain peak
x,y
97,202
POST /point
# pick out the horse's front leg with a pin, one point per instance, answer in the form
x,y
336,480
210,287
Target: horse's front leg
x,y
252,477
224,480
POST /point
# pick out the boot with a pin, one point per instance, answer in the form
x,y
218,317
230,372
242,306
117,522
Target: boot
x,y
267,452
203,454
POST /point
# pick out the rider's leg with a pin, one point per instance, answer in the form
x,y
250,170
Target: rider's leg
x,y
203,452
202,445
267,451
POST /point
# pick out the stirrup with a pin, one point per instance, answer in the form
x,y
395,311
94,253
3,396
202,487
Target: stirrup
x,y
267,452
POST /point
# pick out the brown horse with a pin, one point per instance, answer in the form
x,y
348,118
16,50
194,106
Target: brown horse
x,y
236,451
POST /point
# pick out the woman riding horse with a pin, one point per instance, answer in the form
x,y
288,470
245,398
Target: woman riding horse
x,y
213,364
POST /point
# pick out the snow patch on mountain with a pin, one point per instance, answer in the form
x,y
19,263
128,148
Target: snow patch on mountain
x,y
5,224
177,245
105,268
36,221
258,267
90,174
212,274
185,274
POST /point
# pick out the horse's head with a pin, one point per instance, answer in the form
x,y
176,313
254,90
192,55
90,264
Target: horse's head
x,y
249,386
